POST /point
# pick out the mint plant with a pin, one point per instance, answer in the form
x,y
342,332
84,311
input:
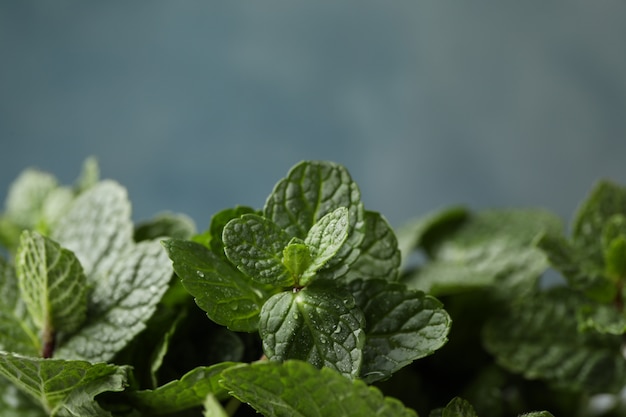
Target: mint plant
x,y
311,305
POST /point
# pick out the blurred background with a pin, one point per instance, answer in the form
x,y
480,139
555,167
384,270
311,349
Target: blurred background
x,y
196,106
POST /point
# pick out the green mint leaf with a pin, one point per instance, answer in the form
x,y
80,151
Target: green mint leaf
x,y
120,303
178,226
311,190
97,228
537,414
414,233
213,408
17,331
603,318
458,407
229,297
26,198
491,248
14,403
62,387
581,274
325,239
538,337
605,200
270,389
190,391
89,175
318,324
297,259
614,247
52,285
380,255
212,238
401,326
255,246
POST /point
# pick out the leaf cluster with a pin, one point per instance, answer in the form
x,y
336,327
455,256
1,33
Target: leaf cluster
x,y
311,305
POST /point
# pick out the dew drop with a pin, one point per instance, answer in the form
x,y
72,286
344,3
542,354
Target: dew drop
x,y
337,329
200,274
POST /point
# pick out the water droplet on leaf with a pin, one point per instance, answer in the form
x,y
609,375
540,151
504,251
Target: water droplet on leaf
x,y
200,274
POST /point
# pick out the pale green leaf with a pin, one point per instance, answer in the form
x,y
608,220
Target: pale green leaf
x,y
318,324
52,284
270,388
229,297
17,331
89,175
97,228
538,337
27,194
325,239
297,259
603,318
380,255
311,190
401,326
213,408
255,246
190,391
120,303
62,386
493,247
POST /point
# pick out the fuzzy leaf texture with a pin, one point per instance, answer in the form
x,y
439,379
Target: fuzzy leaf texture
x,y
126,280
401,326
17,330
187,392
270,389
311,190
63,388
539,338
255,246
52,284
318,324
229,297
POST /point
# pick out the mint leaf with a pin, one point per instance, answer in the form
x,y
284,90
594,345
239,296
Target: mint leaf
x,y
458,407
52,285
178,226
538,337
62,387
538,414
89,175
380,256
319,324
255,246
212,407
603,318
212,238
17,331
311,190
412,234
97,228
325,239
401,326
26,198
190,391
229,297
579,272
120,303
269,387
491,248
605,200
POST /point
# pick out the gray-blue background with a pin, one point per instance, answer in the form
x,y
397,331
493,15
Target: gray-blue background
x,y
196,105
